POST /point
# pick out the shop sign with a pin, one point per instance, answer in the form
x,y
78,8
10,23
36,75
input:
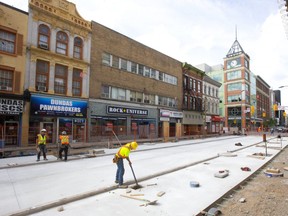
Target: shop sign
x,y
11,106
64,107
217,119
126,111
171,114
175,114
164,119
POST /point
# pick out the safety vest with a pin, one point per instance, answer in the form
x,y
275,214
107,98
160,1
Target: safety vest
x,y
123,152
41,139
64,140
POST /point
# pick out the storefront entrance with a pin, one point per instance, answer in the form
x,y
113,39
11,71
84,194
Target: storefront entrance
x,y
49,126
73,127
11,129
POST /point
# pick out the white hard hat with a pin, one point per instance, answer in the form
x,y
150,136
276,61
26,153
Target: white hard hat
x,y
63,132
43,130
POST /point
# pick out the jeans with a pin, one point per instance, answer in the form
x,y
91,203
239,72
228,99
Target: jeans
x,y
120,171
43,149
65,149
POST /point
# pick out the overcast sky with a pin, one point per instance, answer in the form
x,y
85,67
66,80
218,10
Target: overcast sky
x,y
199,31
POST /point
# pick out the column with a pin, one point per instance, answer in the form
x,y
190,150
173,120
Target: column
x,y
51,78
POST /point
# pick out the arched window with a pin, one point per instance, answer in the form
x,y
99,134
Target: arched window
x,y
43,37
78,48
62,43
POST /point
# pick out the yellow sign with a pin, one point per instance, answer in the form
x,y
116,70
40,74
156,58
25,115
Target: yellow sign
x,y
252,110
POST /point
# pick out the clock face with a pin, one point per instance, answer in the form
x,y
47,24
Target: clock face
x,y
233,63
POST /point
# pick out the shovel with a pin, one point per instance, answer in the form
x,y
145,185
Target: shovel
x,y
137,186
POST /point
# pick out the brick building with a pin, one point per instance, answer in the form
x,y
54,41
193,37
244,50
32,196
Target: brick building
x,y
134,90
58,68
13,34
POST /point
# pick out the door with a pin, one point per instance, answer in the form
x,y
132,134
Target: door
x,y
49,126
11,133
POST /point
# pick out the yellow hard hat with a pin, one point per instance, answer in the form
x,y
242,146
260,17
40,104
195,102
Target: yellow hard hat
x,y
133,145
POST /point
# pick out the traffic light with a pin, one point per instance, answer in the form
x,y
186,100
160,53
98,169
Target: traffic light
x,y
275,107
264,114
284,114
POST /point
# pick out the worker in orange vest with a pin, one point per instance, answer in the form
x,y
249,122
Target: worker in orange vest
x,y
123,153
64,139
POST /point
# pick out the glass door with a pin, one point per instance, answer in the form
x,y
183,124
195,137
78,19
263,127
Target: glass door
x,y
49,126
11,133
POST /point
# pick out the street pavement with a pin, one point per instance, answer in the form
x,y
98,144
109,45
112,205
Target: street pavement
x,y
33,184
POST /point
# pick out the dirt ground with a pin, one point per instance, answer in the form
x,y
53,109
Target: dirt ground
x,y
265,196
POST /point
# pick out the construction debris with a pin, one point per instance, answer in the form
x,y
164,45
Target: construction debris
x,y
245,169
136,194
257,156
152,184
12,164
227,154
212,212
161,193
94,152
128,190
242,200
60,209
221,174
147,202
194,184
273,172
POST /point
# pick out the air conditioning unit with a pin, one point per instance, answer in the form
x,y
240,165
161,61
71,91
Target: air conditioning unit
x,y
4,88
41,88
43,46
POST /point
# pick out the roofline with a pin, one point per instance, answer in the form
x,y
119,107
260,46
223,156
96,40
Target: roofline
x,y
14,8
207,78
133,40
260,78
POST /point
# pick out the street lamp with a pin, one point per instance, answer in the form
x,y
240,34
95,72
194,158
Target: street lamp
x,y
283,86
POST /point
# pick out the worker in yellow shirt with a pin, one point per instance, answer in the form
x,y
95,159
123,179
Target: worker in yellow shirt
x,y
123,153
41,144
64,139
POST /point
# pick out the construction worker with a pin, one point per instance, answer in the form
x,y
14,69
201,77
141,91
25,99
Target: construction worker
x,y
123,153
41,144
64,139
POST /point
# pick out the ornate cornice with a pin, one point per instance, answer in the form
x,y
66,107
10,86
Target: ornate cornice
x,y
62,9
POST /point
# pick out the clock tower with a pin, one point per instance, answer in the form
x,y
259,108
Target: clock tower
x,y
237,88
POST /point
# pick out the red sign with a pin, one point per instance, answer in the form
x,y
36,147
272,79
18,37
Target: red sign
x,y
109,125
216,119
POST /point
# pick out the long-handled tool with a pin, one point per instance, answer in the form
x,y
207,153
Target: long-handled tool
x,y
116,138
147,202
137,186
